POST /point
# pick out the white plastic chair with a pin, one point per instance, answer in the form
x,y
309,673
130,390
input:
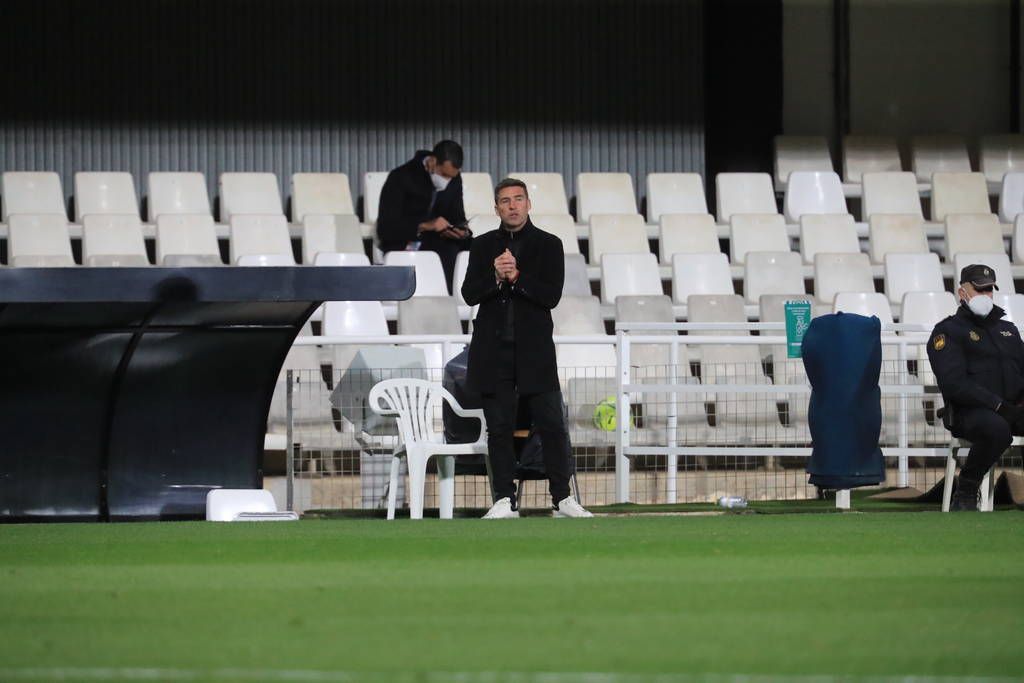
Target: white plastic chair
x,y
617,233
795,153
813,192
485,222
895,234
959,193
980,232
255,234
772,272
414,404
429,272
562,226
186,235
104,193
835,273
700,274
932,154
1001,154
829,234
926,309
459,276
342,259
863,303
1018,239
113,241
431,315
477,193
629,274
744,193
330,233
911,273
31,192
546,190
39,241
249,194
264,260
669,193
997,261
322,194
756,232
352,319
1011,196
891,193
604,193
373,182
1013,305
690,233
869,154
176,193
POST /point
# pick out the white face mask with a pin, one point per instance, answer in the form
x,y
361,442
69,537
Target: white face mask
x,y
440,182
981,305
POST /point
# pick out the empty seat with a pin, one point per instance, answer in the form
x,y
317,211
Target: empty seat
x,y
864,303
343,259
477,193
756,232
113,240
31,192
562,226
931,154
373,182
186,239
997,261
973,232
430,280
1011,197
1013,305
794,153
105,193
264,260
1018,239
841,273
577,282
744,193
958,193
580,316
629,274
700,274
330,233
691,233
459,276
926,309
175,194
325,194
249,194
352,319
546,190
869,154
829,234
604,193
772,272
260,235
613,233
1001,154
39,241
891,193
674,193
485,222
896,234
911,273
431,315
813,192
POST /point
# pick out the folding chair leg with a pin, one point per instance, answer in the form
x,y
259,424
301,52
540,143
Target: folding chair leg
x,y
396,464
417,480
987,492
947,486
446,485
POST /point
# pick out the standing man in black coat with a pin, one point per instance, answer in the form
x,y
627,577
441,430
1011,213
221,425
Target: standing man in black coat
x,y
515,273
978,360
421,206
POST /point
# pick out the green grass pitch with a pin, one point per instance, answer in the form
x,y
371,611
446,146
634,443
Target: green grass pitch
x,y
739,597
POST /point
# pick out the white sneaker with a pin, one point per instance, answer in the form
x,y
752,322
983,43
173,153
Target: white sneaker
x,y
568,507
502,509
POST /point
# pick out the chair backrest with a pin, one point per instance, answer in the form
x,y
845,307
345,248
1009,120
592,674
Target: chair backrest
x,y
459,276
813,192
35,240
577,281
1011,196
794,153
841,273
430,280
744,193
756,232
477,193
617,233
176,193
978,233
547,192
959,193
869,154
674,193
716,308
341,258
926,309
104,193
185,234
249,194
113,235
372,184
997,261
415,403
264,235
1012,304
429,315
700,274
773,306
629,274
1001,154
604,193
330,233
562,226
354,318
932,154
863,303
689,233
264,260
648,309
484,222
832,234
1018,239
912,273
577,315
320,193
31,192
772,272
894,192
890,233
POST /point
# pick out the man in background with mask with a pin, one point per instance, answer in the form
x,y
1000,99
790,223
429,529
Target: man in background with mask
x,y
978,360
421,206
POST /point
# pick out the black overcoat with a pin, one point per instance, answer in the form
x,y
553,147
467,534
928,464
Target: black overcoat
x,y
405,202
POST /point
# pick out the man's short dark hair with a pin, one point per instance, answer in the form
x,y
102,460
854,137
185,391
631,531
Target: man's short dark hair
x,y
510,182
448,150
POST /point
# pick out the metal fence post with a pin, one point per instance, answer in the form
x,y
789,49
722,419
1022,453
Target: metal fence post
x,y
289,447
622,413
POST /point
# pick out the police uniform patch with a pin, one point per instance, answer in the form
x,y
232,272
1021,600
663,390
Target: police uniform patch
x,y
1006,333
939,342
975,336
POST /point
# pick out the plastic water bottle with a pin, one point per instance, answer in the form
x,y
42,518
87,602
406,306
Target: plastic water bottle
x,y
732,502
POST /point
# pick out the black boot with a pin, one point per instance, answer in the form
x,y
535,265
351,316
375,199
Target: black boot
x,y
965,497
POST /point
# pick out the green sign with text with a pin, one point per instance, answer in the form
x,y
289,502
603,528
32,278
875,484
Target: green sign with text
x,y
798,319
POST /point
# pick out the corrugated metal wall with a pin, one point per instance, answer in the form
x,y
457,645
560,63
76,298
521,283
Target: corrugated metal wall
x,y
331,85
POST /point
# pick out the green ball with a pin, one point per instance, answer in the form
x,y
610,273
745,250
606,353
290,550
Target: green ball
x,y
604,414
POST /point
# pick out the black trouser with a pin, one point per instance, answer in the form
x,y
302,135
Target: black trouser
x,y
545,411
990,435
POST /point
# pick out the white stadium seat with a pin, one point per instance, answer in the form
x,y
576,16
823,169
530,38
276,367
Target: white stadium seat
x,y
958,193
344,259
320,194
40,240
674,193
113,240
686,233
891,193
104,193
330,233
1001,154
546,190
183,238
634,274
1011,196
795,153
484,222
577,281
372,184
864,303
832,234
911,273
978,232
997,261
756,232
744,193
813,192
352,319
260,235
617,233
869,154
562,226
176,194
700,274
31,192
459,276
1018,239
932,154
429,273
772,272
890,233
431,315
477,193
249,194
835,273
604,193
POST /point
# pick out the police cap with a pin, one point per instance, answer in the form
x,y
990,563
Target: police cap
x,y
978,275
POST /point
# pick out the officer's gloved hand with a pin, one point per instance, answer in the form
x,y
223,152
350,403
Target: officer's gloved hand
x,y
1011,413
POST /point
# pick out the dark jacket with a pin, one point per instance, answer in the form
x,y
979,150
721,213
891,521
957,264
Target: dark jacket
x,y
978,363
538,290
405,203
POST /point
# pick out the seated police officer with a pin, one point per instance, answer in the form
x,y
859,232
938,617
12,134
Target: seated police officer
x,y
978,360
